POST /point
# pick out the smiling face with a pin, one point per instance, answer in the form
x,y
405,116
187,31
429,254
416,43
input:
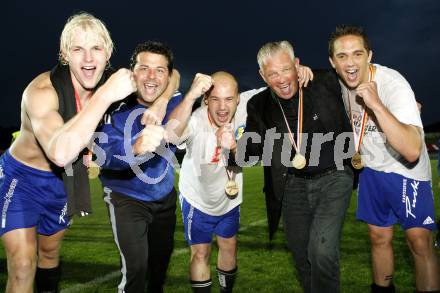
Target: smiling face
x,y
87,58
279,72
351,60
223,99
151,75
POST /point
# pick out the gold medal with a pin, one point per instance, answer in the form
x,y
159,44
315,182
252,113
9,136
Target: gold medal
x,y
93,170
299,161
231,189
356,161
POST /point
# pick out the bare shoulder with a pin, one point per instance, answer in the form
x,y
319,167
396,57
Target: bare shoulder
x,y
40,96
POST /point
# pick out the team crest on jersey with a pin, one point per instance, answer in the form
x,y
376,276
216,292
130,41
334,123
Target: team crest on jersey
x,y
239,132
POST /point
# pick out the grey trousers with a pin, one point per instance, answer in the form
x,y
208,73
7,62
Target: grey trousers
x,y
313,212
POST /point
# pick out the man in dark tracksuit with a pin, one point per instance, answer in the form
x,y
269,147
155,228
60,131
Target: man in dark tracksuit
x,y
312,200
139,190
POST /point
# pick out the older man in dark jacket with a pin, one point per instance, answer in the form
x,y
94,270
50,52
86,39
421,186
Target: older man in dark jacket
x,y
313,191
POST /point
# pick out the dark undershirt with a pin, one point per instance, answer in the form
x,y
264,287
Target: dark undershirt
x,y
311,125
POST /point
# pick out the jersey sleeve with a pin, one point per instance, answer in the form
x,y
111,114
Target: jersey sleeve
x,y
401,102
188,133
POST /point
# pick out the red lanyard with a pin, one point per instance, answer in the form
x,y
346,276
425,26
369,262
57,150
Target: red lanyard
x,y
297,145
77,101
88,157
364,115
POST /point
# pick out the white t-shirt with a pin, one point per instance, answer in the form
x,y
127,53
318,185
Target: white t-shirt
x,y
397,96
203,175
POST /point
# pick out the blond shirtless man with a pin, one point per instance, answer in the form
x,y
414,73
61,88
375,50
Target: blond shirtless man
x,y
33,198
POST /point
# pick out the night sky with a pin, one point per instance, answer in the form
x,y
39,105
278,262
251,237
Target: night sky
x,y
224,35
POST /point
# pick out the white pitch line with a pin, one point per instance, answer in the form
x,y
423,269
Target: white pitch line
x,y
100,280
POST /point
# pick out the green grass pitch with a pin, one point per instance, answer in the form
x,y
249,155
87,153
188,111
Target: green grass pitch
x,y
91,260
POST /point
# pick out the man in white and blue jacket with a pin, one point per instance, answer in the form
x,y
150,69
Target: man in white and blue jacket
x,y
138,184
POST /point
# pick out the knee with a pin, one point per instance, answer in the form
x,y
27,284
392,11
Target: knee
x,y
137,265
49,252
420,245
229,249
325,258
380,239
200,256
229,253
22,268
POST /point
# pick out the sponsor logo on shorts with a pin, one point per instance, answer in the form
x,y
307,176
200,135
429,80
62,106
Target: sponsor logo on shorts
x,y
404,191
410,205
63,214
8,199
428,221
1,172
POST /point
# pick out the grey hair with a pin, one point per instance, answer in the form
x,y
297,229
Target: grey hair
x,y
269,49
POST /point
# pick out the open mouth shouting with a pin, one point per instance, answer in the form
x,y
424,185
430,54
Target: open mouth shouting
x,y
88,71
222,116
150,88
352,75
285,90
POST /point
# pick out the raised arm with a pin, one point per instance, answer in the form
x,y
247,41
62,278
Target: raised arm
x,y
61,141
180,116
404,138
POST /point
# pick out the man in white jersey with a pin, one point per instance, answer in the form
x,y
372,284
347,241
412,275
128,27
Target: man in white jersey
x,y
209,136
395,184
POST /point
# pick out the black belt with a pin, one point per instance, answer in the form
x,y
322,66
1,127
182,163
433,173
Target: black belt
x,y
317,174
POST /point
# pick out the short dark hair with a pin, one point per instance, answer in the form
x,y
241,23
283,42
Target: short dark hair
x,y
156,48
346,30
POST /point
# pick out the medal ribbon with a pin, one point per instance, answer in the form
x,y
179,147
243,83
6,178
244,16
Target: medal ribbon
x,y
299,124
78,109
229,173
77,101
362,131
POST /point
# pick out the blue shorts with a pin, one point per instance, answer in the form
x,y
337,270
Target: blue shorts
x,y
199,226
31,198
385,198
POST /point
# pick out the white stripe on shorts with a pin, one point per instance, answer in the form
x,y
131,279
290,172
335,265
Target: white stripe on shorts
x,y
8,199
190,216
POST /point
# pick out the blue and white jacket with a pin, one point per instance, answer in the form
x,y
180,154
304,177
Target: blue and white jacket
x,y
149,177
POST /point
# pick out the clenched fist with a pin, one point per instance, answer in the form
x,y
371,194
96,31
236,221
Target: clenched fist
x,y
149,139
119,85
226,138
368,92
201,84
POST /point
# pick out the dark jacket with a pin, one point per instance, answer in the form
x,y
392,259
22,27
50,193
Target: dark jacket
x,y
322,99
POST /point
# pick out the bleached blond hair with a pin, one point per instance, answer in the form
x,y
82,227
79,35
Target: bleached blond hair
x,y
84,21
